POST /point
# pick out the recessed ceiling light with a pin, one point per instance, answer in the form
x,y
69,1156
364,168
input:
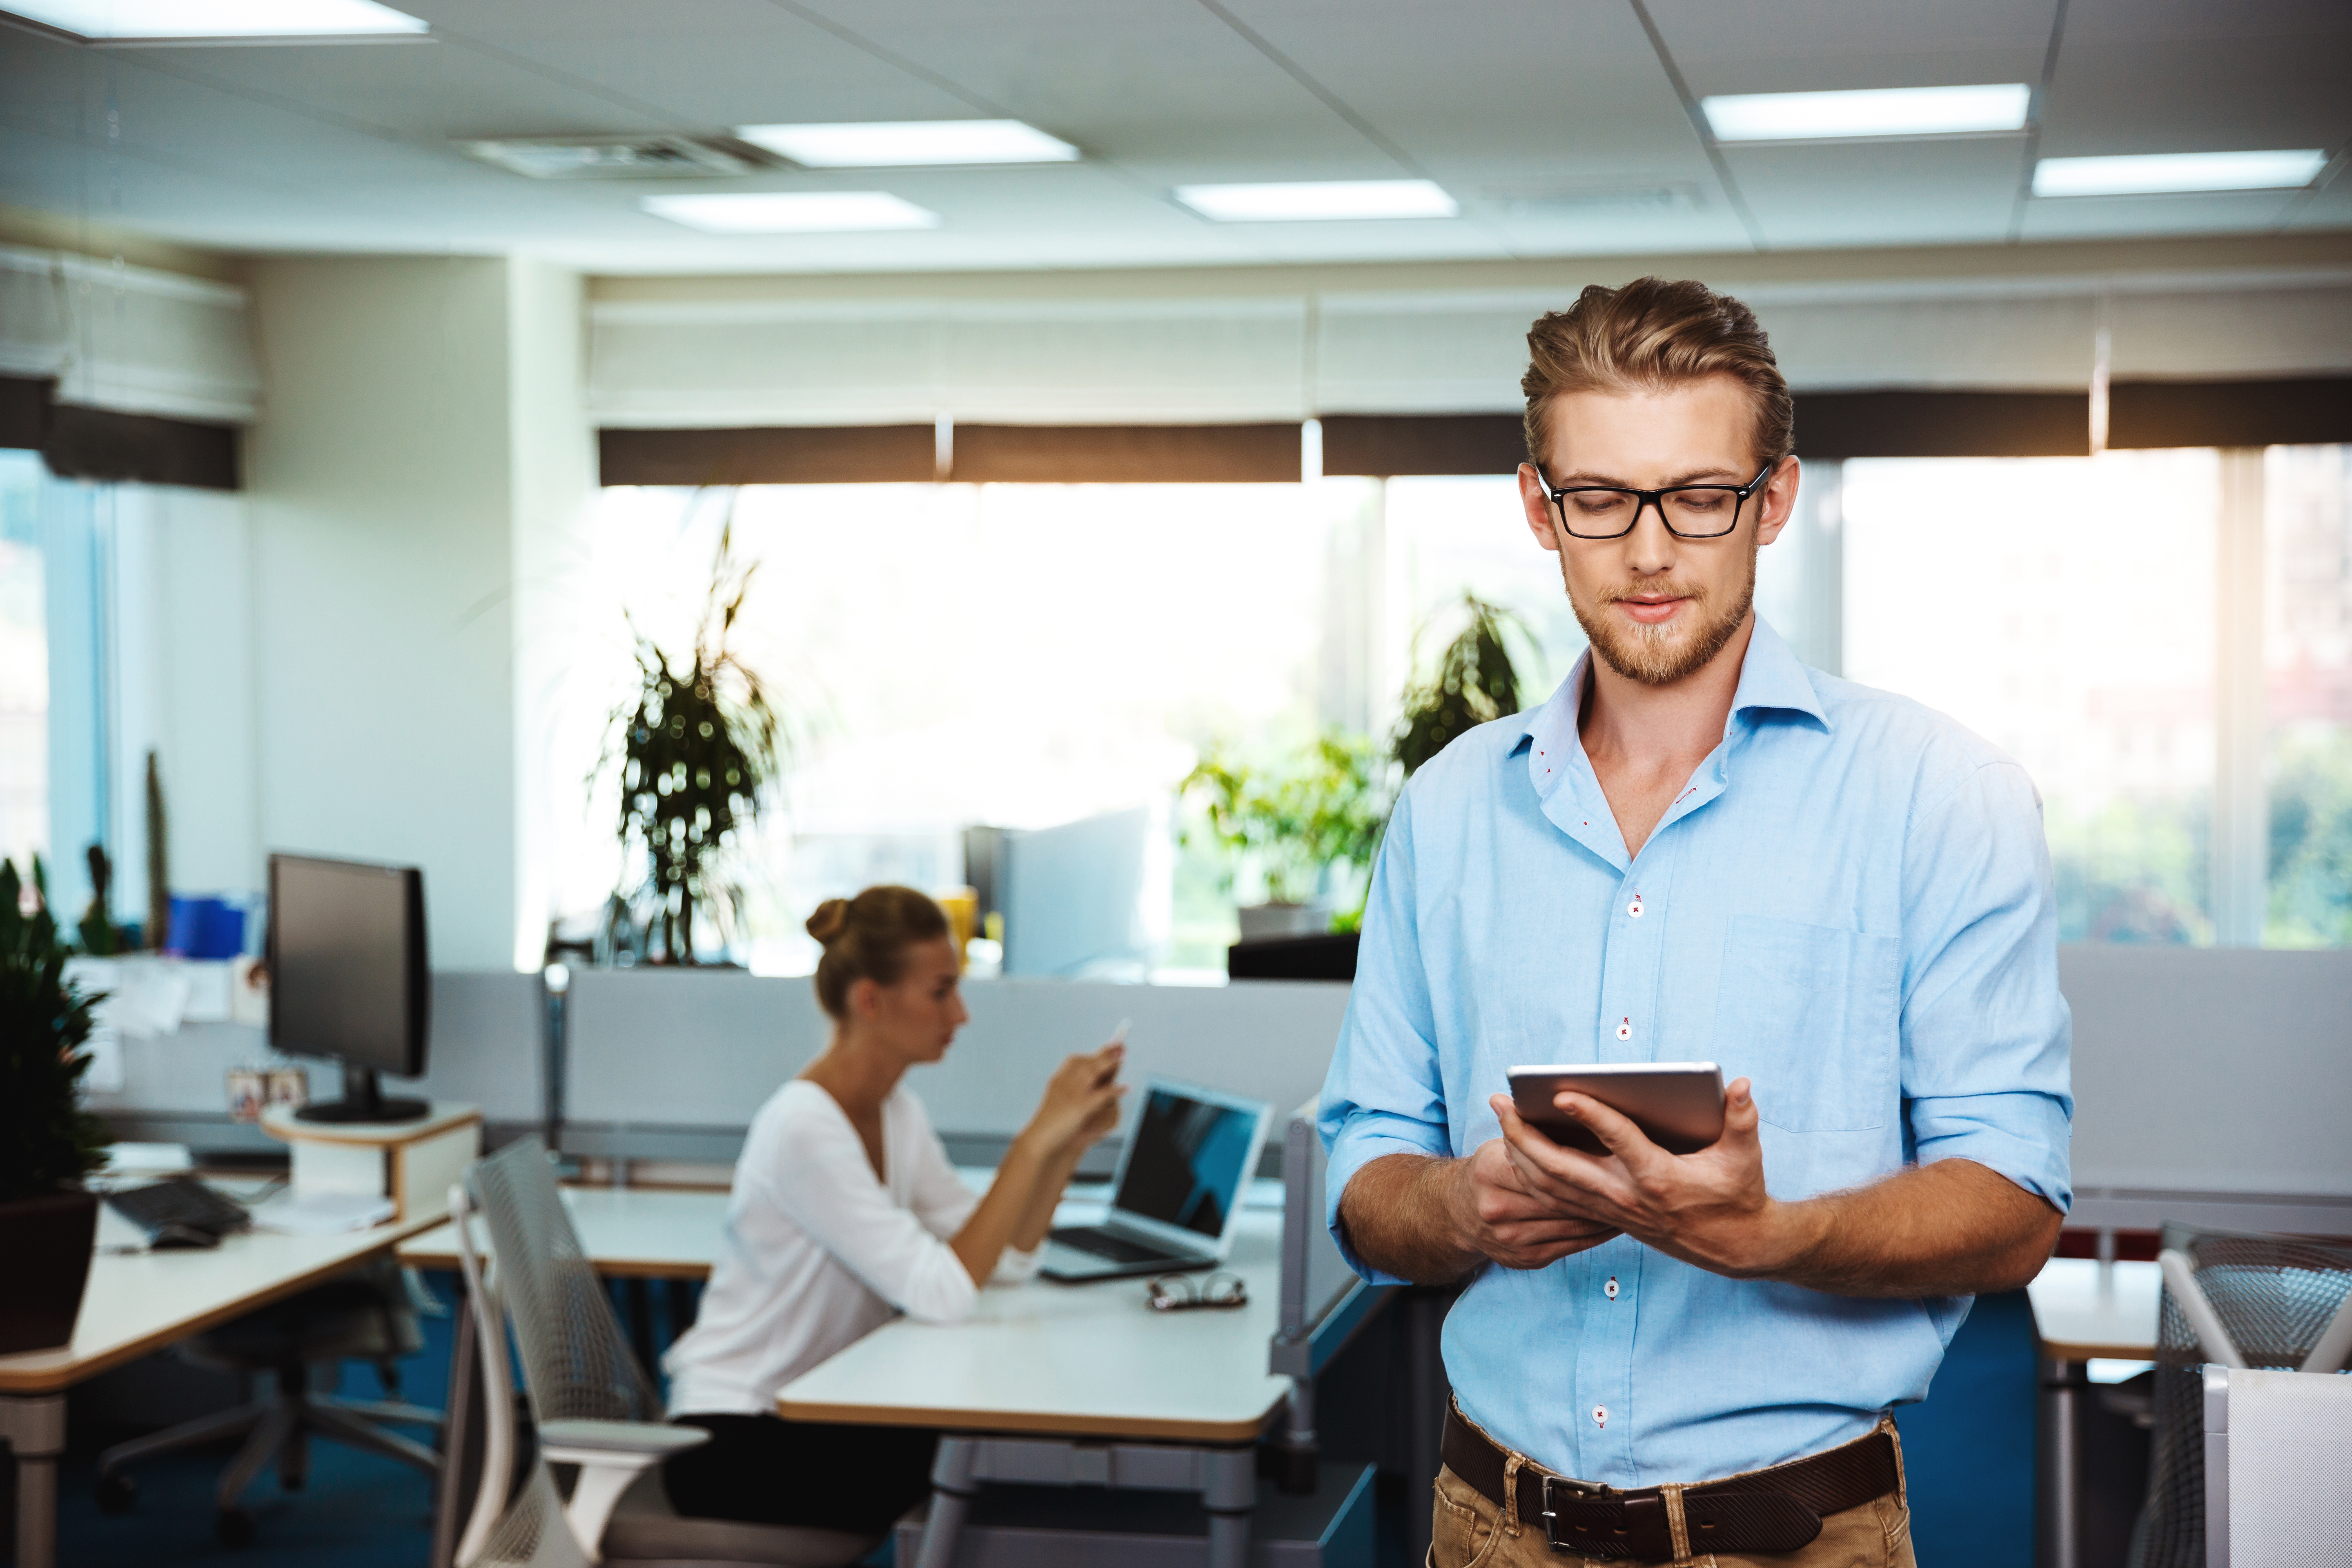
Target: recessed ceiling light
x,y
2144,174
1872,111
791,212
1318,201
909,143
118,20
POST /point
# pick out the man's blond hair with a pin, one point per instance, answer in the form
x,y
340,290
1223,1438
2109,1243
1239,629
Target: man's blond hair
x,y
1651,334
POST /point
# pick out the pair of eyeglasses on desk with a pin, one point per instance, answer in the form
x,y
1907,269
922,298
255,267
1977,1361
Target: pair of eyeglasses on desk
x,y
1177,1293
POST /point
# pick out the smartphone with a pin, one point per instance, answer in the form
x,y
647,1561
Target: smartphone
x,y
1678,1106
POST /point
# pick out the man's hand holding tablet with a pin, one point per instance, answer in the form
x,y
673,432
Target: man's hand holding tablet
x,y
1708,1207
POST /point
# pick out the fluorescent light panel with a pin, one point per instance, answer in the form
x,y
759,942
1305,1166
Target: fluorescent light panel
x,y
1872,111
909,143
216,18
2155,174
1318,201
792,212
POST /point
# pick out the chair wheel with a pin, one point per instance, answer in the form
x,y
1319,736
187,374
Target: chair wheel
x,y
116,1494
233,1527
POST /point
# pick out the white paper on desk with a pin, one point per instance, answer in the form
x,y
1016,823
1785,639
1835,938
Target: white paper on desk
x,y
209,985
322,1214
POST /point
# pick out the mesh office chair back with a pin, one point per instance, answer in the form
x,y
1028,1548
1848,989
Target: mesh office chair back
x,y
2275,1298
576,1361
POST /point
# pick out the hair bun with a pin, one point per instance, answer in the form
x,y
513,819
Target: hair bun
x,y
831,917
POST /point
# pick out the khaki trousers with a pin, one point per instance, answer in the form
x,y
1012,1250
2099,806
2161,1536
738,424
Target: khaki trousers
x,y
1466,1530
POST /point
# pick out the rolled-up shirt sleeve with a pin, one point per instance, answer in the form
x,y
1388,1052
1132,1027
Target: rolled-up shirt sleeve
x,y
1383,1095
1986,1037
829,1190
943,1203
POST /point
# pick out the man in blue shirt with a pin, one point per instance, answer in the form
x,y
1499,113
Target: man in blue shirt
x,y
1697,849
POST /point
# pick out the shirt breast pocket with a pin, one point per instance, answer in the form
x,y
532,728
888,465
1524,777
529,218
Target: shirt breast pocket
x,y
1809,1014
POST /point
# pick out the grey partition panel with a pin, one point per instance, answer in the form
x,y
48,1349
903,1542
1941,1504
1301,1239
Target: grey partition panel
x,y
655,1052
654,1048
1270,1040
484,1049
487,1046
2209,1080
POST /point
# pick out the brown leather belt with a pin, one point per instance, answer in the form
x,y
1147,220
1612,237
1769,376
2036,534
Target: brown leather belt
x,y
1778,1509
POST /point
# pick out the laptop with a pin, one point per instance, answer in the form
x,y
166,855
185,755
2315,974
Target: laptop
x,y
1177,1197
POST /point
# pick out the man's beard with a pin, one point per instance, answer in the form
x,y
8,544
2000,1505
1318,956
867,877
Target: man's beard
x,y
1658,656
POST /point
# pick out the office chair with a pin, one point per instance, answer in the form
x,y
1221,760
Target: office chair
x,y
2232,1301
592,1405
365,1315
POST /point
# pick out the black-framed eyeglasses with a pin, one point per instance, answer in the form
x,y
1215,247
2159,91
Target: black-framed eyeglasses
x,y
1689,511
1175,1293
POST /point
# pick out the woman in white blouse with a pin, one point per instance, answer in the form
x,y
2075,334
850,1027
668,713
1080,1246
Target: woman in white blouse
x,y
844,1213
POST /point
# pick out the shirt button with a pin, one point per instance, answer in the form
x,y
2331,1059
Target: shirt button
x,y
1634,909
1601,1416
1610,1289
1624,1028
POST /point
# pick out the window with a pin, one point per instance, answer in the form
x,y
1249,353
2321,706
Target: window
x,y
2307,660
1013,655
23,665
2062,608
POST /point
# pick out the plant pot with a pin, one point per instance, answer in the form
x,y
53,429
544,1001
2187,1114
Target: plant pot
x,y
1283,920
47,1241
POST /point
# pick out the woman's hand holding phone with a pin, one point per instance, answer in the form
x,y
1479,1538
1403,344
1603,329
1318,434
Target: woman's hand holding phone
x,y
1080,1103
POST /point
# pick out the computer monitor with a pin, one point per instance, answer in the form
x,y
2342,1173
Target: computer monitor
x,y
348,977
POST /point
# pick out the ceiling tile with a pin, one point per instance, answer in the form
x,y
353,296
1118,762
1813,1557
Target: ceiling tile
x,y
1958,191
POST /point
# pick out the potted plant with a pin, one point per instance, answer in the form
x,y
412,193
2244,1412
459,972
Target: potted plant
x,y
1474,683
48,1142
697,749
1298,826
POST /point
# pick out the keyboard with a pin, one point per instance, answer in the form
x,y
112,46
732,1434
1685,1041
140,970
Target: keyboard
x,y
182,1208
1109,1243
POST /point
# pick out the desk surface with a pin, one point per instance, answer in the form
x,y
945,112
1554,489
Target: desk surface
x,y
1090,1361
2085,1310
141,1302
642,1231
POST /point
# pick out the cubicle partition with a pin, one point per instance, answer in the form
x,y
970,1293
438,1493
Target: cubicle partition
x,y
670,1065
2211,1085
486,1048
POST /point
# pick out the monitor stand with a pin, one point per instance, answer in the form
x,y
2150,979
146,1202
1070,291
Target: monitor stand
x,y
364,1102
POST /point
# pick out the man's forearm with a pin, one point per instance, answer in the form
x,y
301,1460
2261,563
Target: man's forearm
x,y
1952,1228
1401,1217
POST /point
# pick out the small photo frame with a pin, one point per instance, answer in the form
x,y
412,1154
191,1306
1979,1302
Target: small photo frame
x,y
288,1086
248,1092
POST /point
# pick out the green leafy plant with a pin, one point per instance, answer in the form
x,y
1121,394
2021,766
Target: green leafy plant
x,y
698,749
1299,824
46,1138
1474,683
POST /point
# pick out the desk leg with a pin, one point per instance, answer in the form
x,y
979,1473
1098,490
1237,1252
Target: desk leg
x,y
1230,1495
2059,1507
35,1427
951,1490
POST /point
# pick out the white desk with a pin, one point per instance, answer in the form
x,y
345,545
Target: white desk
x,y
1090,1361
139,1302
1076,1384
645,1233
2083,1310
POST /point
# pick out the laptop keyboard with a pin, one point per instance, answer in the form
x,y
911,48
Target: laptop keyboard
x,y
1109,1243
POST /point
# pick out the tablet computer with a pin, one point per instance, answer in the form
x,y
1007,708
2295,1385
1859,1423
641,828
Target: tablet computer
x,y
1677,1105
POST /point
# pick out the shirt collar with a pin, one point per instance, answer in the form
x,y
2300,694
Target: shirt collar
x,y
1770,678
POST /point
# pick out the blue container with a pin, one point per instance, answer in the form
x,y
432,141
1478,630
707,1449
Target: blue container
x,y
205,928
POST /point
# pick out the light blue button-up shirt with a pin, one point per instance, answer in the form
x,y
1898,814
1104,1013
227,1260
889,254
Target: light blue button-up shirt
x,y
1849,904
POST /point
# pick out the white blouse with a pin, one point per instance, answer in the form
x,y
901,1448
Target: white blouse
x,y
817,1253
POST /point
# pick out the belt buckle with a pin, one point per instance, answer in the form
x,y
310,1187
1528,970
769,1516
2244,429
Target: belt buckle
x,y
1551,1516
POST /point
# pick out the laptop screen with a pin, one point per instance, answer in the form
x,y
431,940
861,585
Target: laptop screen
x,y
1186,1167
